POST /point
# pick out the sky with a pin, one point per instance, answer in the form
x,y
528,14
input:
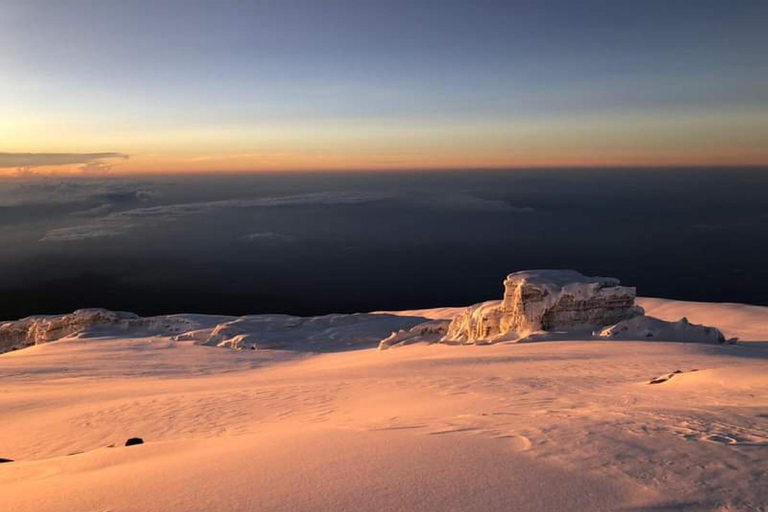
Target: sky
x,y
162,86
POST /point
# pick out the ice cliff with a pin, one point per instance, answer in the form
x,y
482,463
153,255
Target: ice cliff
x,y
545,300
35,330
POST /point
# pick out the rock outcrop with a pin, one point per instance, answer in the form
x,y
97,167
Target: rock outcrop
x,y
545,300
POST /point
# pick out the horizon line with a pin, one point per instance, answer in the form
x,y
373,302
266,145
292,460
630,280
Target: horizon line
x,y
11,175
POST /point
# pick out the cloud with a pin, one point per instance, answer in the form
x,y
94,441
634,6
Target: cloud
x,y
114,223
66,191
88,163
121,222
88,231
268,237
472,203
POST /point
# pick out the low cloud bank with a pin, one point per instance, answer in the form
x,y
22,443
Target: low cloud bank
x,y
89,163
111,219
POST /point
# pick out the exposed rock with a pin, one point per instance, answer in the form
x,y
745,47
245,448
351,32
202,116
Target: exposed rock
x,y
2,460
653,329
545,300
665,378
134,441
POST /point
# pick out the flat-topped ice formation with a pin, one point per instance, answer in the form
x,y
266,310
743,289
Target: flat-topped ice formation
x,y
545,300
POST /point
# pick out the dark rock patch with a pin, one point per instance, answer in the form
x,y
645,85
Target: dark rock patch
x,y
665,378
2,460
134,441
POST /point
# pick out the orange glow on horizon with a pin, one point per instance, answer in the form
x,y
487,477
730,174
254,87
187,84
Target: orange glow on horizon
x,y
286,162
431,165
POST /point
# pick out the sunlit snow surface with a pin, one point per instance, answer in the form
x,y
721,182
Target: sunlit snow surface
x,y
340,425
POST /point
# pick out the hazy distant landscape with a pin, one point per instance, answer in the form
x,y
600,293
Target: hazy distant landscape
x,y
275,243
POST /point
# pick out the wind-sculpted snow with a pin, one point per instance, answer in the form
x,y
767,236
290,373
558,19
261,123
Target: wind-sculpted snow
x,y
251,332
427,332
305,333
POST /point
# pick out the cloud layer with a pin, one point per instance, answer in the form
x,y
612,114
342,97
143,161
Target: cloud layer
x,y
90,163
269,237
107,223
121,222
109,193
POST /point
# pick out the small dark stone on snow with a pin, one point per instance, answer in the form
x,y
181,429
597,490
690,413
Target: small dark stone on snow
x,y
133,441
5,460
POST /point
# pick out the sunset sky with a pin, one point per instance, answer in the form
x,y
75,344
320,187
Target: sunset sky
x,y
189,86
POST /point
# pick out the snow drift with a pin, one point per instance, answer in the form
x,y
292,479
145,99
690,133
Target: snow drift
x,y
649,328
427,332
293,332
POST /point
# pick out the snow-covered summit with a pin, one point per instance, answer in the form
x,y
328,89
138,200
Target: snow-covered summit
x,y
535,302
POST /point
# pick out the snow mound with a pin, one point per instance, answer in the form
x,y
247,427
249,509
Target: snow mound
x,y
745,321
292,332
650,328
427,332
